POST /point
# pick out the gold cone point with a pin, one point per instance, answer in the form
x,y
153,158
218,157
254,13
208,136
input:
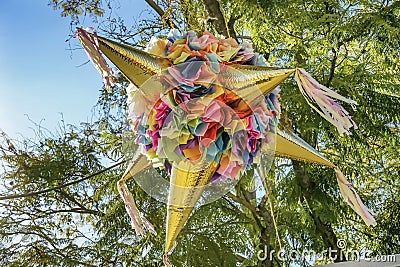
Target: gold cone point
x,y
186,186
138,163
293,147
265,78
137,66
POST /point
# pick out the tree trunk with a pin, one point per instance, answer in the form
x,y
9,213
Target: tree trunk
x,y
215,13
327,234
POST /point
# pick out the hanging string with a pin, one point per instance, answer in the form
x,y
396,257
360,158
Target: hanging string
x,y
274,220
262,175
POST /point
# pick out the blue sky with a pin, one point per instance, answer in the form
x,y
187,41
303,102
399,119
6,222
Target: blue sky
x,y
39,77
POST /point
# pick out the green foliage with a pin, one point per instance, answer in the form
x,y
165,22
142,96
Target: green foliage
x,y
76,8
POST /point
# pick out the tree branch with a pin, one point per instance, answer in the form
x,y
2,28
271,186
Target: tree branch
x,y
160,12
242,201
74,210
61,186
82,209
333,66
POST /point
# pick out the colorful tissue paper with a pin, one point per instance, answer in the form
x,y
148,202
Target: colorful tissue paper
x,y
216,123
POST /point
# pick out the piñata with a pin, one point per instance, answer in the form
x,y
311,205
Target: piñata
x,y
210,108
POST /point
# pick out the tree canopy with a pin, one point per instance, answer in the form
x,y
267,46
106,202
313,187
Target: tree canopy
x,y
350,47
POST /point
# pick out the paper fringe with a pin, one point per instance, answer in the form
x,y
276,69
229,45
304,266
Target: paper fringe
x,y
166,261
138,221
351,197
322,96
91,46
165,256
